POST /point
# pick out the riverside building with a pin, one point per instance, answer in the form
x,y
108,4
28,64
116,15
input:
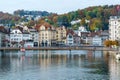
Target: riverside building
x,y
114,28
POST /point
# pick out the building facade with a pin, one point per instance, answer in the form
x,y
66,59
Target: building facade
x,y
97,41
47,35
70,37
61,35
114,28
80,30
35,36
19,37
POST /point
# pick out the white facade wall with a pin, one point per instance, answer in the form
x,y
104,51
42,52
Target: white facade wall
x,y
35,36
114,28
28,44
26,36
97,41
70,40
81,29
16,35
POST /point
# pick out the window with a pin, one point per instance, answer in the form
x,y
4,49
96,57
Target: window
x,y
32,34
70,36
15,31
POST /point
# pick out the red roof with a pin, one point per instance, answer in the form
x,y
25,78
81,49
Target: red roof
x,y
47,26
2,29
70,31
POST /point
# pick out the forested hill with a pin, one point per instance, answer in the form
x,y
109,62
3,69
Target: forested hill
x,y
93,18
20,16
32,13
6,18
97,15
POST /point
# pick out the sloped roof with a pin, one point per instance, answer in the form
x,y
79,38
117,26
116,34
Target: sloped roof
x,y
46,25
70,31
21,29
3,30
93,34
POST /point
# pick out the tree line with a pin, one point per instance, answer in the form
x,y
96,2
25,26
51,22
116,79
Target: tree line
x,y
98,17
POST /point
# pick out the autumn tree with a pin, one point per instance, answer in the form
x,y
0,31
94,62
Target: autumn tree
x,y
82,22
107,43
115,43
95,24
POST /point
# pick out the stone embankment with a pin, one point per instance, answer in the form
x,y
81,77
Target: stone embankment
x,y
62,48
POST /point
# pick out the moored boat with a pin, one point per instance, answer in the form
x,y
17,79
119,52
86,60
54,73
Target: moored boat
x,y
22,49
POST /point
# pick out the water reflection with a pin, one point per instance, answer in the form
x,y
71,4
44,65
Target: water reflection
x,y
59,65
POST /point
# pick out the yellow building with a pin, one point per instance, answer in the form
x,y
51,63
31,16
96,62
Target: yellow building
x,y
61,35
47,35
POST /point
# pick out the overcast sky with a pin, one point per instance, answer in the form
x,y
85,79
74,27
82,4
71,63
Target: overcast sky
x,y
56,6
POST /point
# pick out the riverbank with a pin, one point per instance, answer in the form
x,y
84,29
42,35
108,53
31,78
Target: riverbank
x,y
62,48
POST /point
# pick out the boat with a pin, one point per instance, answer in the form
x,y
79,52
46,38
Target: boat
x,y
22,49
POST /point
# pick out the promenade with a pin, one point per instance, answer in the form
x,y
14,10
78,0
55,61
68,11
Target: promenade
x,y
62,48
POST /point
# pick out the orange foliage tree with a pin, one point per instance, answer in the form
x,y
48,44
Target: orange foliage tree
x,y
109,43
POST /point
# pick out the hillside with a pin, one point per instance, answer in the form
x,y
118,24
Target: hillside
x,y
93,18
7,19
32,13
97,16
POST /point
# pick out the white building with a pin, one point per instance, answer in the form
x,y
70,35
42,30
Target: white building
x,y
19,36
75,22
81,29
70,37
16,35
70,40
114,28
97,41
35,37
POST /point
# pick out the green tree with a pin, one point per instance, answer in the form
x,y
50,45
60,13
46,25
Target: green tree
x,y
95,24
82,22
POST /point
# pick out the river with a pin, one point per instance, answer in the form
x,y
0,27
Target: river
x,y
59,65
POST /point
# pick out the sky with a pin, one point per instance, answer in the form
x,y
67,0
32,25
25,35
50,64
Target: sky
x,y
55,6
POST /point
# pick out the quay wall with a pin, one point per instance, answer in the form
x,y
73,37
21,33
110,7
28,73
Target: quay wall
x,y
61,48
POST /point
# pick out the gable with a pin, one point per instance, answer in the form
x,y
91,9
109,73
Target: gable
x,y
16,31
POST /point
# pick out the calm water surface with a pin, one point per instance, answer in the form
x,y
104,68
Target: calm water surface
x,y
59,65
